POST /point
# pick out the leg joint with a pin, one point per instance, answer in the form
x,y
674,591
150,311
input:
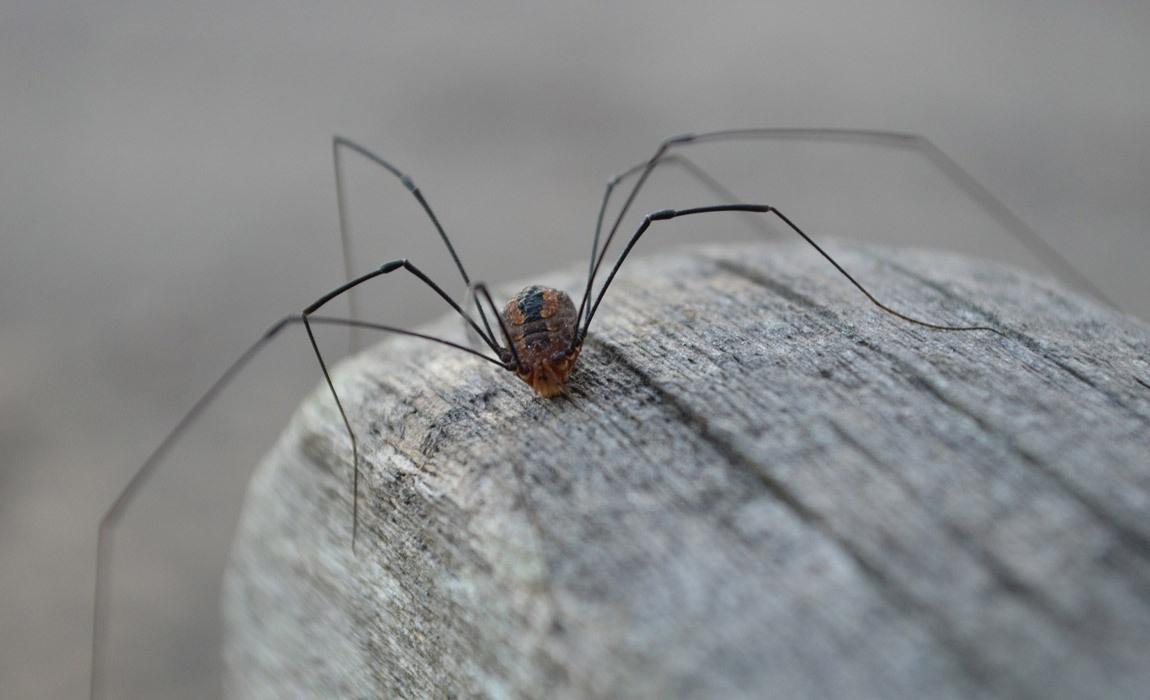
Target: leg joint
x,y
279,325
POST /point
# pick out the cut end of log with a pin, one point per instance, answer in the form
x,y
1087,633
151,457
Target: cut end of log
x,y
757,484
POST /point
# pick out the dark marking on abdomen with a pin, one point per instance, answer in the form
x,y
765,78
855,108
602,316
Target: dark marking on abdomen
x,y
531,304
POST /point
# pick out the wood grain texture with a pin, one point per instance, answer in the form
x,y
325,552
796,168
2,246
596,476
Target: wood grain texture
x,y
757,485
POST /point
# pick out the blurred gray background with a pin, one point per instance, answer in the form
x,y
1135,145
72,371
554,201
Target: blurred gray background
x,y
166,193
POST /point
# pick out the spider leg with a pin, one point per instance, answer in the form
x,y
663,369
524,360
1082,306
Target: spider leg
x,y
338,145
387,268
696,171
666,214
112,515
307,318
480,289
1014,226
404,264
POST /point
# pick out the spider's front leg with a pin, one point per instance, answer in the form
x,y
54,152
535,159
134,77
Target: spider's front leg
x,y
340,144
667,214
148,468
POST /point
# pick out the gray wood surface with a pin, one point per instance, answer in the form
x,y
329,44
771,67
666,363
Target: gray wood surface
x,y
758,485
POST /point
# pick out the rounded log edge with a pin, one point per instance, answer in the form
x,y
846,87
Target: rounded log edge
x,y
756,485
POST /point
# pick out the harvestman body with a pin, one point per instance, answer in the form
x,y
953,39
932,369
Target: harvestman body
x,y
541,329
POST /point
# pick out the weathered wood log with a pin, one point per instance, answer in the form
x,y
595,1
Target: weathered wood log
x,y
757,485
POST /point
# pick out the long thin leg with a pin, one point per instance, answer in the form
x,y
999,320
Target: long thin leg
x,y
345,288
512,356
696,171
666,214
338,143
405,264
307,320
716,188
1015,226
112,516
116,511
693,169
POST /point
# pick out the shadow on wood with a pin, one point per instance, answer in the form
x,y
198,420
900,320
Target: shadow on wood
x,y
758,485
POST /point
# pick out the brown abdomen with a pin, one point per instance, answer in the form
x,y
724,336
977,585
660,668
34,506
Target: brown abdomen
x,y
541,322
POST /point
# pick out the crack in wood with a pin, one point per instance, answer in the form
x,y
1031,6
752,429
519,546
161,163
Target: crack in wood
x,y
898,597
